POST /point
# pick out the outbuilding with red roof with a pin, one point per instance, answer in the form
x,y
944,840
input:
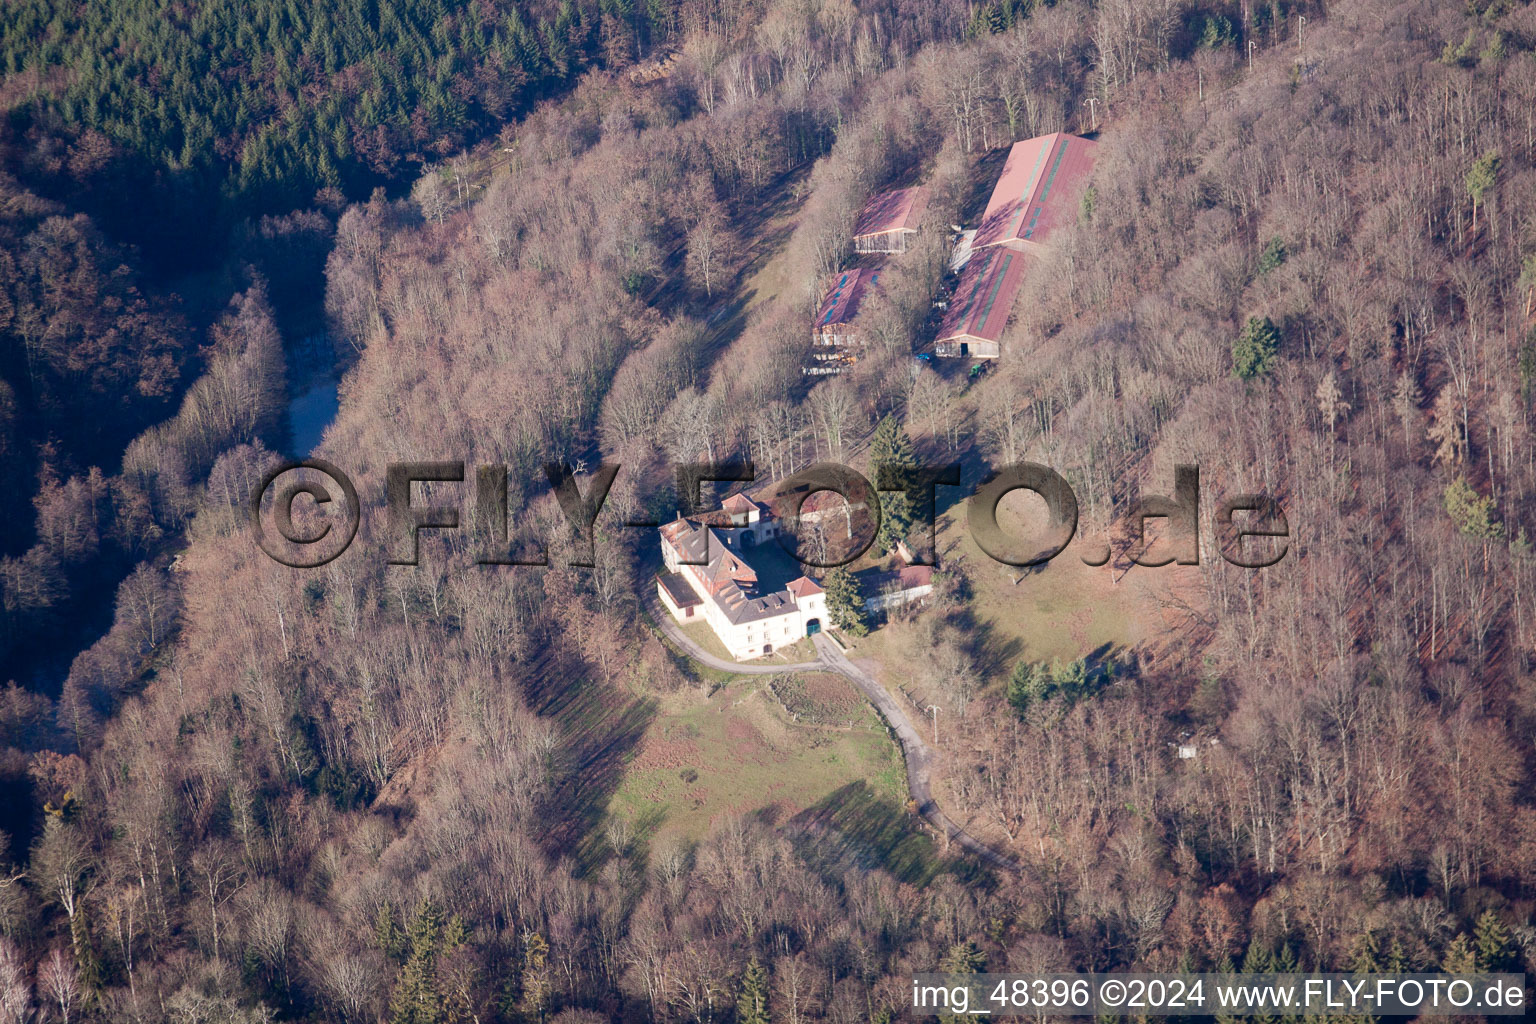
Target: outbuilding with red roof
x,y
889,220
840,307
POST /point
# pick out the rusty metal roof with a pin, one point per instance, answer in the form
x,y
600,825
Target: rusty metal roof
x,y
841,304
892,211
1038,190
984,297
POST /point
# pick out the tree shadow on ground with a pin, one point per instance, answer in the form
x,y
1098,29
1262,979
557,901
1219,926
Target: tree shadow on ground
x,y
601,727
991,651
723,326
1107,661
855,827
984,175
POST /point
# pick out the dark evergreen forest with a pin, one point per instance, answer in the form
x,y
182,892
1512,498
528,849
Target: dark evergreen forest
x,y
171,122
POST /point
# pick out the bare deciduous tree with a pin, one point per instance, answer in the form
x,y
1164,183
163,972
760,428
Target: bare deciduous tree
x,y
59,982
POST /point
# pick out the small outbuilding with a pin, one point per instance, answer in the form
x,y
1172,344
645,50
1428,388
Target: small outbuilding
x,y
889,220
834,325
896,587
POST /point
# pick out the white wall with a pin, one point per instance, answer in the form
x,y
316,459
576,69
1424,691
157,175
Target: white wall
x,y
877,602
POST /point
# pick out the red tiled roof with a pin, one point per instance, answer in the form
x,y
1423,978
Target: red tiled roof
x,y
677,528
906,578
892,211
1037,191
803,587
841,304
827,500
730,569
738,503
984,297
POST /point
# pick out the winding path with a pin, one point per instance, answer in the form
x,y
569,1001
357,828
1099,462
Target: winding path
x,y
920,757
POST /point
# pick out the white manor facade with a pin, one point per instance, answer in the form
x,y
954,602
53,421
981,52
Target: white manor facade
x,y
709,577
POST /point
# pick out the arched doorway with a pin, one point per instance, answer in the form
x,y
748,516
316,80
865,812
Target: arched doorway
x,y
767,648
812,627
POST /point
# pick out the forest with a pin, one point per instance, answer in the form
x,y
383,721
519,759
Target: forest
x,y
239,792
204,114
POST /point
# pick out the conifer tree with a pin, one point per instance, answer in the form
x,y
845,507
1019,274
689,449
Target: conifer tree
x,y
1480,181
752,1003
455,934
1253,353
1069,678
1273,256
416,999
845,604
1259,960
1473,514
87,961
1460,957
891,447
1365,958
1226,967
1286,963
1490,939
535,975
962,958
1026,686
1527,361
387,934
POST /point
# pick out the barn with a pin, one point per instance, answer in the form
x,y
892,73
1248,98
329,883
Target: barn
x,y
978,311
1039,190
889,220
840,307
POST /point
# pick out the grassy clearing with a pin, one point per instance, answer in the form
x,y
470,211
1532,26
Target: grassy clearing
x,y
1065,610
769,274
821,698
701,634
703,758
690,667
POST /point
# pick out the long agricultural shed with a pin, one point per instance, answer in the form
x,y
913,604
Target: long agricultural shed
x,y
1039,191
